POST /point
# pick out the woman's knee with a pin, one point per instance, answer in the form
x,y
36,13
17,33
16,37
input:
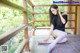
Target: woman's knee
x,y
64,34
63,40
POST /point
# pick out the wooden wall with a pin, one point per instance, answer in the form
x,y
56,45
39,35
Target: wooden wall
x,y
78,20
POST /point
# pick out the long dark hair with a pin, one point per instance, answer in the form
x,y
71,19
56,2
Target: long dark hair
x,y
52,15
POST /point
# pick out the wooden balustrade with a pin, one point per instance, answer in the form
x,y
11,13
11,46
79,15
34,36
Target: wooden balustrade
x,y
8,35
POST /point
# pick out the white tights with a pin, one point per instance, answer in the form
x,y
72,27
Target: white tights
x,y
61,37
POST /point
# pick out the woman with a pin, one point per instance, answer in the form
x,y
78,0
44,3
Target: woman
x,y
57,30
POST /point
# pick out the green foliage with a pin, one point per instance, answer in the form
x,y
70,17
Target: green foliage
x,y
10,19
18,2
13,48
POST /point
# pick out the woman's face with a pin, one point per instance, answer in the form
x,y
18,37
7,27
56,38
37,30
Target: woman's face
x,y
54,11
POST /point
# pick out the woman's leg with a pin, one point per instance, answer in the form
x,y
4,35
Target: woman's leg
x,y
63,40
60,36
56,35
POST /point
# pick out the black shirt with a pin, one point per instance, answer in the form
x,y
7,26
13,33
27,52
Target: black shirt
x,y
62,26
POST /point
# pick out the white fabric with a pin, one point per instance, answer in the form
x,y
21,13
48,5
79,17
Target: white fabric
x,y
61,37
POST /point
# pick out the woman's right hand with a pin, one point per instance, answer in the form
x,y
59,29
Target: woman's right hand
x,y
50,32
47,38
44,41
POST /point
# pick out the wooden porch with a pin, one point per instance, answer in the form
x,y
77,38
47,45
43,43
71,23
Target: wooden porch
x,y
31,44
72,46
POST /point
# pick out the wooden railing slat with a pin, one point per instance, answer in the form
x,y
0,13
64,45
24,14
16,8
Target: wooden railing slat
x,y
21,47
8,35
49,28
48,13
75,31
48,20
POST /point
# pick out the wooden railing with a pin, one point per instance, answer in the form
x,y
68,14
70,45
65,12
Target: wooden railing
x,y
8,35
75,18
24,42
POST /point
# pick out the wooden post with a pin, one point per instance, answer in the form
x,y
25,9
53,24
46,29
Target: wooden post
x,y
25,22
70,15
75,32
33,19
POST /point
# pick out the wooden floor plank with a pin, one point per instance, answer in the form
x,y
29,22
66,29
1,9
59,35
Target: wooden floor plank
x,y
72,46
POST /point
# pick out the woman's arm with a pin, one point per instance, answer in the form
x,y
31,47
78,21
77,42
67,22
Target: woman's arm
x,y
62,19
50,32
51,29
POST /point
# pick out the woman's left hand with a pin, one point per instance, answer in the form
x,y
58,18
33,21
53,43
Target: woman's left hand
x,y
59,12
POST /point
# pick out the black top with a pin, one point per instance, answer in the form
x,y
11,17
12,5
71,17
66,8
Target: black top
x,y
62,26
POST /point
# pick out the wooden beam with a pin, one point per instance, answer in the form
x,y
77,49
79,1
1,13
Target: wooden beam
x,y
8,35
24,42
49,28
75,31
33,20
48,13
59,5
12,5
49,20
30,3
30,33
42,20
25,16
